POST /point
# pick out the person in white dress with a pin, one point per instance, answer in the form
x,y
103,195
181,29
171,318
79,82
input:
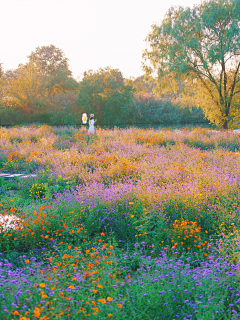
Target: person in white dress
x,y
91,124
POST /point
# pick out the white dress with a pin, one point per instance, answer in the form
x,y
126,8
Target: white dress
x,y
91,126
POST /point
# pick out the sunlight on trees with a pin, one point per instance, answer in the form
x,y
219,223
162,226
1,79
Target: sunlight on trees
x,y
197,52
52,64
33,87
24,87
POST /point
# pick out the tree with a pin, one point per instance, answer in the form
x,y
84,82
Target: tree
x,y
52,64
198,51
23,87
105,94
33,86
140,87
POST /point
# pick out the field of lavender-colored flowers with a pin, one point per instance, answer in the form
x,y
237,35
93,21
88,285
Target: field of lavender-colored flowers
x,y
123,224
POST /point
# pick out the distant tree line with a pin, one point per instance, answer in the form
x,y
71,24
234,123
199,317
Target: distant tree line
x,y
43,90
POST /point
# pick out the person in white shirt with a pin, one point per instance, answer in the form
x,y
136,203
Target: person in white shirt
x,y
91,124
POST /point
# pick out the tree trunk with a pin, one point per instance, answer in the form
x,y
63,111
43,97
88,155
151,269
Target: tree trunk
x,y
224,125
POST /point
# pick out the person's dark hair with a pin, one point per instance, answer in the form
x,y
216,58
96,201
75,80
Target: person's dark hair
x,y
91,118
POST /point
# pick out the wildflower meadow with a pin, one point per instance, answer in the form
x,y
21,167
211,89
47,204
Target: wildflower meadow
x,y
123,224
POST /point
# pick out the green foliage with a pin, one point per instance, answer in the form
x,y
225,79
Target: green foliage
x,y
153,228
23,186
48,59
38,191
2,186
52,64
64,109
105,94
16,140
140,87
34,139
52,184
16,163
11,114
149,109
3,160
196,50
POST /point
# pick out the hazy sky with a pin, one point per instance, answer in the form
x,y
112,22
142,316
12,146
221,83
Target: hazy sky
x,y
93,34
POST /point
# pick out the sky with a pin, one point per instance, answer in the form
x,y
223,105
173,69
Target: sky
x,y
92,34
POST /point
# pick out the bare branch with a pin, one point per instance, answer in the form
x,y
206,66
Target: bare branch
x,y
234,84
233,55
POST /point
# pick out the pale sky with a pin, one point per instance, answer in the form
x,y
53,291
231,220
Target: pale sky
x,y
92,34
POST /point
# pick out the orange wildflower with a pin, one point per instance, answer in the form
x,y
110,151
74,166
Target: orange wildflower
x,y
37,312
16,313
103,301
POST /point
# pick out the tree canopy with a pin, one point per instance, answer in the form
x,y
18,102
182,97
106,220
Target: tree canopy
x,y
34,85
140,87
48,59
51,63
198,50
105,94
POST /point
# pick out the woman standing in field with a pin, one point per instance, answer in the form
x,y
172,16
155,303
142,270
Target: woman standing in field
x,y
91,124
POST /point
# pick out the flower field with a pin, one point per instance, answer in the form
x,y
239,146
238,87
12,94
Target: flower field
x,y
124,224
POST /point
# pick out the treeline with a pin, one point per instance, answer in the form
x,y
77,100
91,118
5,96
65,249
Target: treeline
x,y
43,90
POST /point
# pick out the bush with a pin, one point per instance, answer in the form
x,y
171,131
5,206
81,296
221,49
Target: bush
x,y
11,115
148,109
64,110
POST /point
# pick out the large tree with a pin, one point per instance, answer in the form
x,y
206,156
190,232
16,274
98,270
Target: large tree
x,y
197,50
52,64
105,93
34,85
